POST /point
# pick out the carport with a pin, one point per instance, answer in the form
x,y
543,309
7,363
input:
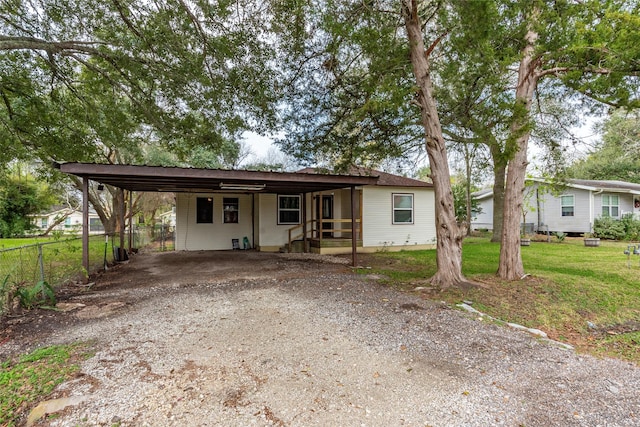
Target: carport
x,y
190,180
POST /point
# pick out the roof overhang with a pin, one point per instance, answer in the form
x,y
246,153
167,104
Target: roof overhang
x,y
189,180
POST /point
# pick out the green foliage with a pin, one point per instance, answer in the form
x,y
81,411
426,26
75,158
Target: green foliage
x,y
606,227
85,79
20,197
460,203
32,377
560,236
37,295
617,156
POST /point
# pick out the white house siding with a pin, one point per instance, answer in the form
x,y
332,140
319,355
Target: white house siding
x,y
192,236
484,220
270,236
625,204
378,229
551,212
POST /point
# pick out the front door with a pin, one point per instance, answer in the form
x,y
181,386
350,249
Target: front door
x,y
327,213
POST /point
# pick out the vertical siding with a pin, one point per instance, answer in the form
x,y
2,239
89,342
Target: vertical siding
x,y
191,236
378,229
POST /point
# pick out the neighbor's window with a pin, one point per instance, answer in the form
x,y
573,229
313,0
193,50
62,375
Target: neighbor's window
x,y
43,222
230,210
610,206
67,222
204,210
288,209
568,205
403,208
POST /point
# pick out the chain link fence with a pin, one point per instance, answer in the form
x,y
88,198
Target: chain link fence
x,y
59,262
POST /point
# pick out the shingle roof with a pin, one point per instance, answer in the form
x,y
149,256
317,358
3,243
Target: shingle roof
x,y
384,179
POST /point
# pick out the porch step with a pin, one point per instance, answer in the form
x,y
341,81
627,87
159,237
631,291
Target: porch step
x,y
333,243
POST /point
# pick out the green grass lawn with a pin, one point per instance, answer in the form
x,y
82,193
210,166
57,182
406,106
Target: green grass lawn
x,y
586,296
23,241
24,381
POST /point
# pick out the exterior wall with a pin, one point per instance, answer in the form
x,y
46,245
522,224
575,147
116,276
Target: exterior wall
x,y
484,220
378,228
270,235
551,212
72,223
216,236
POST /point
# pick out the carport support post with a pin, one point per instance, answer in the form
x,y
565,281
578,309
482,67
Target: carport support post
x,y
354,248
130,220
122,224
85,226
304,222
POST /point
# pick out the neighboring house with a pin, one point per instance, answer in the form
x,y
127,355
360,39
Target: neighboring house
x,y
395,213
168,218
70,221
571,207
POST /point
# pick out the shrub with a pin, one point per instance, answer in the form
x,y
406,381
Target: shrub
x,y
626,228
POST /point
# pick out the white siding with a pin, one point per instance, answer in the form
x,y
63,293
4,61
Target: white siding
x,y
551,212
270,233
191,236
378,229
485,218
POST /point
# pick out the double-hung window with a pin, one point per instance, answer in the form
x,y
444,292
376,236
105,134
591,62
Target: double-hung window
x,y
288,209
402,208
230,210
610,205
567,203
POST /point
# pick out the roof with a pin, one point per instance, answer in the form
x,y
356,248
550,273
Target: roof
x,y
192,180
384,179
582,184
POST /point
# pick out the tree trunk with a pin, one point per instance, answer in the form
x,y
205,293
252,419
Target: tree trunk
x,y
449,233
499,175
510,267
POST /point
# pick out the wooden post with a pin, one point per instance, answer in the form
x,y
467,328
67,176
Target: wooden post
x,y
85,226
130,220
354,247
122,224
304,222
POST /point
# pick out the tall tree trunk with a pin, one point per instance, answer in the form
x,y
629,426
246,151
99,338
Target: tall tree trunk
x,y
499,176
510,266
449,233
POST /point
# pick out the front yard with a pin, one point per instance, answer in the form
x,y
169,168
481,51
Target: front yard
x,y
585,296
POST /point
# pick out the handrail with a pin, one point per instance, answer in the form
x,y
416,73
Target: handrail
x,y
316,228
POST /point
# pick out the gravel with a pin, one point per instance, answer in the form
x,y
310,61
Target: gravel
x,y
249,339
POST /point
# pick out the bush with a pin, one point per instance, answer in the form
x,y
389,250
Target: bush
x,y
626,228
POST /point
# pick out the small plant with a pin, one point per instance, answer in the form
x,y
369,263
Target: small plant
x,y
37,295
560,236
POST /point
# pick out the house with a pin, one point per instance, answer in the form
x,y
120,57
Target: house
x,y
217,209
392,214
67,220
570,207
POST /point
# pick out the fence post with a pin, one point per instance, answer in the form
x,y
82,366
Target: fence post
x,y
41,262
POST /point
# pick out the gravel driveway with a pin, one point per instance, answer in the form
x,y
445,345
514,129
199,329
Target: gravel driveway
x,y
244,338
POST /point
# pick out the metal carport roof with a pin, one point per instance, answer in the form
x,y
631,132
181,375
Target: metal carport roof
x,y
189,180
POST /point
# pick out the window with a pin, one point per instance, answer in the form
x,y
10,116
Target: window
x,y
567,205
230,210
288,209
204,210
610,206
67,222
43,222
403,208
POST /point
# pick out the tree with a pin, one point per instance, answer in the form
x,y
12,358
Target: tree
x,y
21,196
617,155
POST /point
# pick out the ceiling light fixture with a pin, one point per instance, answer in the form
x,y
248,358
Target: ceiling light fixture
x,y
242,187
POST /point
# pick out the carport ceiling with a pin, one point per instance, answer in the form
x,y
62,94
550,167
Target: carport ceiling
x,y
188,180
